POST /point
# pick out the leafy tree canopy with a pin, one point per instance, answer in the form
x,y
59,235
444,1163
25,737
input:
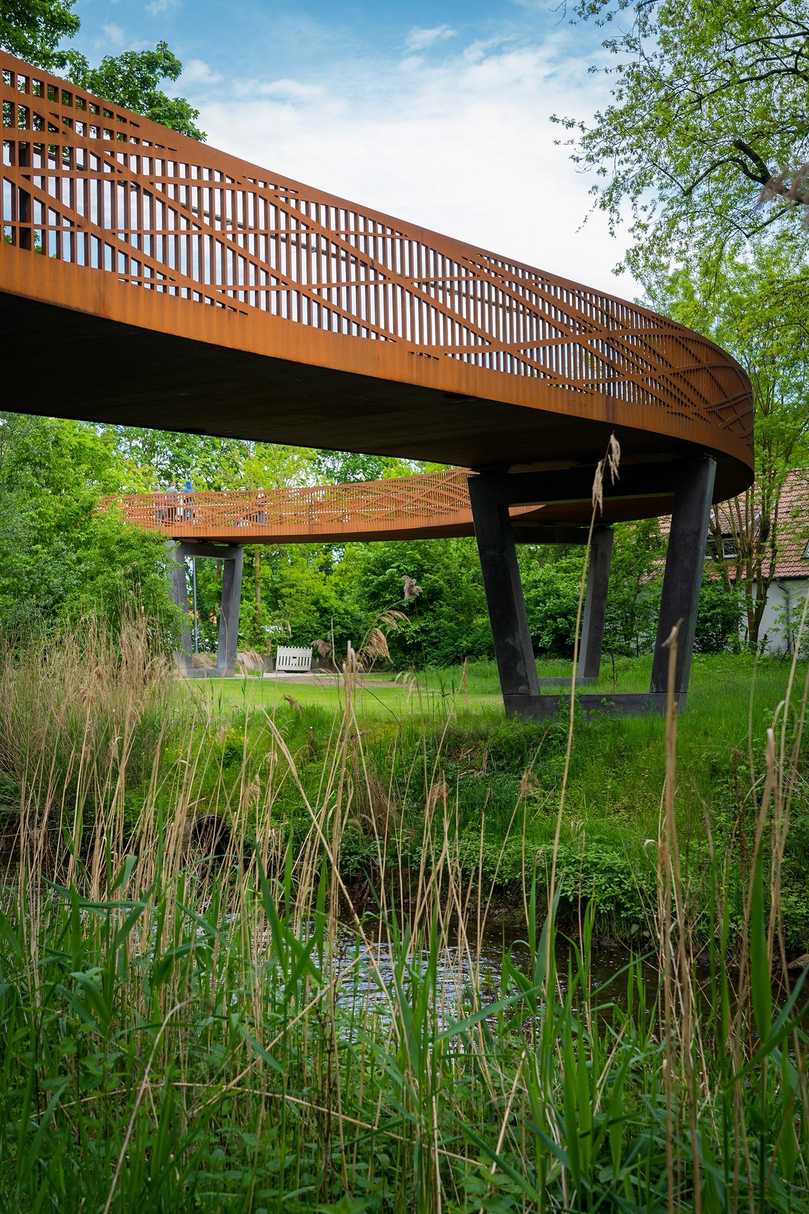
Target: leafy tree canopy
x,y
36,29
58,556
168,457
340,467
708,118
754,306
133,79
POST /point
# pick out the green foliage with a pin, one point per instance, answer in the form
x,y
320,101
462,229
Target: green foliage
x,y
754,307
447,622
132,79
341,467
633,602
552,584
58,556
171,458
707,106
35,29
719,618
307,595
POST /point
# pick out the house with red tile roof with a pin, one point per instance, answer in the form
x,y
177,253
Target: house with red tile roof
x,y
790,585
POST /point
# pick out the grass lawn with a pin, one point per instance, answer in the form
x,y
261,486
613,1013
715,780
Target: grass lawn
x,y
504,777
375,698
725,689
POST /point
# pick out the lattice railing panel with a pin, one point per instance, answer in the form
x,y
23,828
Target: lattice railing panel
x,y
429,499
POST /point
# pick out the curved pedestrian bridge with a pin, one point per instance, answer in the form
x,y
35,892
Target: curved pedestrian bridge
x,y
148,279
428,506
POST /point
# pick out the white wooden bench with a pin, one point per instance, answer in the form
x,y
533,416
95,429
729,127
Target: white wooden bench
x,y
289,659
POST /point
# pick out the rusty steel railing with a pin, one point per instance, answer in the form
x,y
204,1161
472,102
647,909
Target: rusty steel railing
x,y
91,187
426,504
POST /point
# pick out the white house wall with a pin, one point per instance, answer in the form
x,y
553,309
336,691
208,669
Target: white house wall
x,y
782,614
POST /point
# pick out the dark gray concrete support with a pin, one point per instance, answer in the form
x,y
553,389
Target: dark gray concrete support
x,y
178,587
232,557
217,552
595,603
513,650
548,533
691,483
685,563
233,562
619,704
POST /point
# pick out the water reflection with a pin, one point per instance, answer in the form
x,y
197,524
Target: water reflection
x,y
371,970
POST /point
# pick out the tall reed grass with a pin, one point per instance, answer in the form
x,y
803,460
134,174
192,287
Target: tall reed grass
x,y
196,1016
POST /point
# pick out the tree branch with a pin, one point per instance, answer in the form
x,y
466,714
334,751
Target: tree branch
x,y
764,174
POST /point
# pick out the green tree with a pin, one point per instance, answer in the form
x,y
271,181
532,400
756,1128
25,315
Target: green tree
x,y
447,622
720,614
633,601
342,467
35,30
755,308
707,116
59,556
169,457
133,79
551,583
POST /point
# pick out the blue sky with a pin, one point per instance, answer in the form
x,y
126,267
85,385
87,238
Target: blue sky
x,y
439,114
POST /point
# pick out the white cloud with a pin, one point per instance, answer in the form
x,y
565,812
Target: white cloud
x,y
478,50
113,35
290,90
421,39
158,7
197,71
463,146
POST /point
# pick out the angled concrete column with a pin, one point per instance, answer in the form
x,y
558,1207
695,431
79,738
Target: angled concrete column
x,y
501,580
685,563
233,562
595,603
178,587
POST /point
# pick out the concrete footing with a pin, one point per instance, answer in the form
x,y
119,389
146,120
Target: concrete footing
x,y
612,704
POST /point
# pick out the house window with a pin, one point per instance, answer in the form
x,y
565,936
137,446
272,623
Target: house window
x,y
724,547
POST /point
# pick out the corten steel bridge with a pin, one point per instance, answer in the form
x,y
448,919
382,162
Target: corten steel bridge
x,y
149,279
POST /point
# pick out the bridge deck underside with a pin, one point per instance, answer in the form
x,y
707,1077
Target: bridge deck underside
x,y
71,363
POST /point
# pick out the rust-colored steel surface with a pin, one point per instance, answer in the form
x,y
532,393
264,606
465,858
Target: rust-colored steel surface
x,y
148,279
428,506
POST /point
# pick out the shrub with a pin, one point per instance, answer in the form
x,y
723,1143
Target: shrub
x,y
719,618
